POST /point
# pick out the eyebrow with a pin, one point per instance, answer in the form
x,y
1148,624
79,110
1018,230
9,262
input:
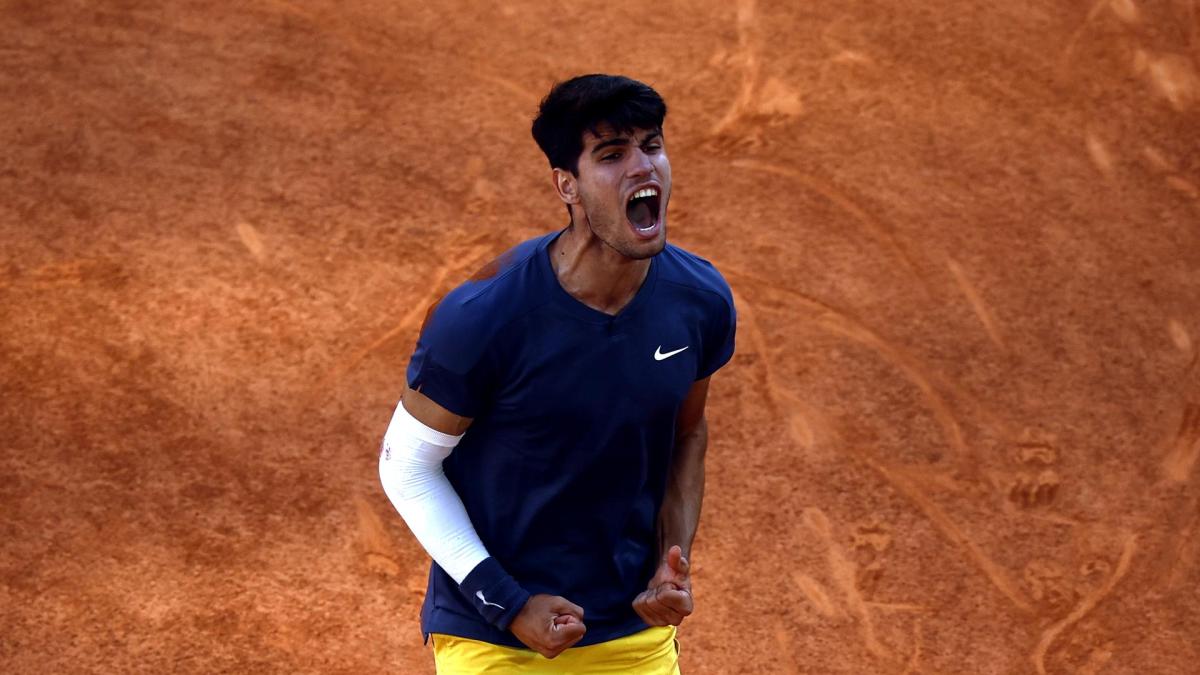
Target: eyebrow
x,y
624,140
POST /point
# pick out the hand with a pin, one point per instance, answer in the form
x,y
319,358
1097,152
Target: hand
x,y
668,597
549,624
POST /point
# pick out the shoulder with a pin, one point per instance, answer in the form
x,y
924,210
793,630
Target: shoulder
x,y
463,322
688,271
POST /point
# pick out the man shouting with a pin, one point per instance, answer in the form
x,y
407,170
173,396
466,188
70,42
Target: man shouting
x,y
548,451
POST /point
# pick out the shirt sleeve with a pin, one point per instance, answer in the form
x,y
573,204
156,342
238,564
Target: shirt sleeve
x,y
451,363
719,342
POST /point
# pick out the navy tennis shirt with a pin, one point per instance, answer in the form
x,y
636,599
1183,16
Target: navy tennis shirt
x,y
564,468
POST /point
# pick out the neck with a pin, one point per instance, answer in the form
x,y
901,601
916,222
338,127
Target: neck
x,y
593,272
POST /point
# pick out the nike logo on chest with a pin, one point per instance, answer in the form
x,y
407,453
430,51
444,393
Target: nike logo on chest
x,y
659,355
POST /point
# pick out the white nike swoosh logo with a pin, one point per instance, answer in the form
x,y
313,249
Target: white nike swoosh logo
x,y
479,594
659,355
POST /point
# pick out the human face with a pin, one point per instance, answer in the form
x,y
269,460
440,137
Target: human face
x,y
624,184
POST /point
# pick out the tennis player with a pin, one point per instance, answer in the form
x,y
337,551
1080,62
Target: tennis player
x,y
548,451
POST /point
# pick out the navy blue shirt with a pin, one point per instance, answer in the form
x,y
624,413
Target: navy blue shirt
x,y
564,468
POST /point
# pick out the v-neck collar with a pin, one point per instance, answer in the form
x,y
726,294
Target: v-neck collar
x,y
580,310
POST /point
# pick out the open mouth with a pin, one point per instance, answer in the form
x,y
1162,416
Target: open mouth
x,y
642,209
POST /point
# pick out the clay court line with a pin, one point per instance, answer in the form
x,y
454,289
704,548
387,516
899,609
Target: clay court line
x,y
819,308
799,426
1085,606
835,196
841,323
992,571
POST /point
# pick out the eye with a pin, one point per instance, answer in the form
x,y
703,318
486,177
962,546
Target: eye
x,y
652,147
610,156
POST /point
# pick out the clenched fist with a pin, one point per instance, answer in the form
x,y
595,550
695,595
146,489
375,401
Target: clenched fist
x,y
667,599
549,624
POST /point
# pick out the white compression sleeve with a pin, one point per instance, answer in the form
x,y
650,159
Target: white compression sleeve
x,y
410,468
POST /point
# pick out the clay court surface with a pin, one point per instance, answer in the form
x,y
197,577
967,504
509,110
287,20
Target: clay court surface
x,y
960,433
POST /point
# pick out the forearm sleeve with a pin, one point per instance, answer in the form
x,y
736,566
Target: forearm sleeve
x,y
410,469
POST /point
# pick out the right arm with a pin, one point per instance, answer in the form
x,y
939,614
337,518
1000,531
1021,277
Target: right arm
x,y
421,435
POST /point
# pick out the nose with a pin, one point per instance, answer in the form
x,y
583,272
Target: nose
x,y
640,165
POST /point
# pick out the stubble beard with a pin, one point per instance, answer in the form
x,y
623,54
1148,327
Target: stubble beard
x,y
621,245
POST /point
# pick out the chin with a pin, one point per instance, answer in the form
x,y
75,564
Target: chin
x,y
640,249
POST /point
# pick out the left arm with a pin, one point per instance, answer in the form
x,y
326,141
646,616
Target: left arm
x,y
680,513
668,597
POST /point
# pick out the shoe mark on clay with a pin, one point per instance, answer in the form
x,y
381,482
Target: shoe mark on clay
x,y
783,643
1164,167
1085,605
1173,77
482,193
1097,659
1048,586
93,272
1029,491
1036,484
376,543
843,55
1125,11
977,304
1180,459
746,56
869,541
1100,155
914,661
1183,342
1183,551
755,104
817,596
252,240
1034,450
1170,76
844,573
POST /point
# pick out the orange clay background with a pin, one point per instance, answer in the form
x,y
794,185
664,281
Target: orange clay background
x,y
959,435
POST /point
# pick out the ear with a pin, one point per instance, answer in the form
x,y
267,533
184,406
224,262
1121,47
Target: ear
x,y
567,186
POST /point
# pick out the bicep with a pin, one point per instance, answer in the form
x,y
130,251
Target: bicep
x,y
428,412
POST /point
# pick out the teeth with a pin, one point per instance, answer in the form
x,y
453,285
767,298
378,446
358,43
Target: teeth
x,y
645,192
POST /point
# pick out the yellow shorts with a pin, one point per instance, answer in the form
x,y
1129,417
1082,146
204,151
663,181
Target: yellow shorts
x,y
653,651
